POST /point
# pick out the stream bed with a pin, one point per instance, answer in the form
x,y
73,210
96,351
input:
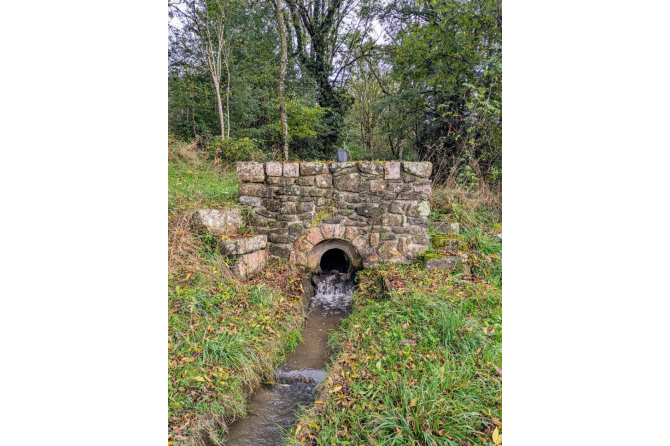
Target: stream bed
x,y
276,408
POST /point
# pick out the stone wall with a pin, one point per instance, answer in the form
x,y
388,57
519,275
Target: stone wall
x,y
381,208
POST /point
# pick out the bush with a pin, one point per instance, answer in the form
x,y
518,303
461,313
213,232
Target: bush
x,y
236,149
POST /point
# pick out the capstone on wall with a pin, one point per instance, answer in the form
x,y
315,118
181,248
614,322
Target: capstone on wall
x,y
381,208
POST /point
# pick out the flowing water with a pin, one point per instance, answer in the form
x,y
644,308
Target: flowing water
x,y
274,408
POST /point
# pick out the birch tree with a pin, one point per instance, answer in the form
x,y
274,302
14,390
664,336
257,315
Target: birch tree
x,y
282,78
201,31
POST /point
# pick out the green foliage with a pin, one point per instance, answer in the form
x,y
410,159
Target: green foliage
x,y
218,353
422,367
303,119
485,255
199,184
237,149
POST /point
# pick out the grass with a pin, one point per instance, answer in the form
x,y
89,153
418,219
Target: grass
x,y
422,367
223,341
225,336
479,213
195,182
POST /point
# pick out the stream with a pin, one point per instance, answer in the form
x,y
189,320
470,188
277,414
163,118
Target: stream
x,y
276,408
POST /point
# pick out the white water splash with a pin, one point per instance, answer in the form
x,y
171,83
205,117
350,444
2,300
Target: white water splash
x,y
333,292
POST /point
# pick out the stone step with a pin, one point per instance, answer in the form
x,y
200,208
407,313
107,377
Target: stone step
x,y
449,242
446,227
218,221
249,263
439,261
243,245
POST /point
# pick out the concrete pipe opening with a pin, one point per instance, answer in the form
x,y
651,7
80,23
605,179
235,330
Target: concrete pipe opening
x,y
334,254
334,260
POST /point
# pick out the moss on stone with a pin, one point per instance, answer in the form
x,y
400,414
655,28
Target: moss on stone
x,y
432,256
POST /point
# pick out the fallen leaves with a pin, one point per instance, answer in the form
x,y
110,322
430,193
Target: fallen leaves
x,y
496,437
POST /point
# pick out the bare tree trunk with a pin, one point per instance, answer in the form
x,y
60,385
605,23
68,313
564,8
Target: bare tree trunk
x,y
227,89
220,104
282,77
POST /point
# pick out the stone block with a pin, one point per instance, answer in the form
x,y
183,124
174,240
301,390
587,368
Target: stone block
x,y
281,250
288,207
401,207
446,227
248,264
332,220
306,207
291,169
250,201
370,210
287,218
346,197
280,181
415,250
351,232
423,189
332,231
449,243
303,245
440,262
423,169
289,190
394,187
388,251
313,168
313,235
424,208
306,180
296,229
393,220
371,167
337,167
377,186
251,172
258,220
316,192
272,205
218,221
273,169
392,170
360,242
279,237
374,239
243,245
348,182
324,181
255,190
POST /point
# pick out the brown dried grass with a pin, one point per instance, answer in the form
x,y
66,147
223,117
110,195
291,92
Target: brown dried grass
x,y
470,207
185,247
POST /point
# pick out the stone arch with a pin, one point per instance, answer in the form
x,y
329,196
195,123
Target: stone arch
x,y
340,255
354,242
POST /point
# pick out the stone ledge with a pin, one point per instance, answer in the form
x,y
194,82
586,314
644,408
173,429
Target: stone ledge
x,y
218,221
446,227
243,245
249,263
450,243
441,262
251,172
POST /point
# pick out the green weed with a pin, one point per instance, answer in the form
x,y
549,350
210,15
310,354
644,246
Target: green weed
x,y
419,368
